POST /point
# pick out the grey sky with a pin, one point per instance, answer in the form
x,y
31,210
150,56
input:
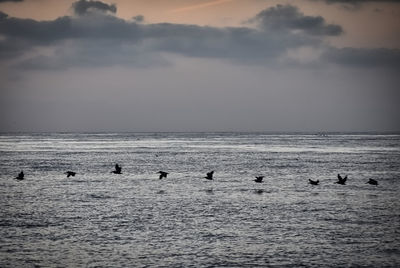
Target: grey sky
x,y
95,71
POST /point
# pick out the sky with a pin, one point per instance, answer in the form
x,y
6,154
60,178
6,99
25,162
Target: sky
x,y
199,65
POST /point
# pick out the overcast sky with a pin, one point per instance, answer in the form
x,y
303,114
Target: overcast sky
x,y
200,65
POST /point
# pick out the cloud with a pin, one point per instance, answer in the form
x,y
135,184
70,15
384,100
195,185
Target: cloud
x,y
362,57
355,4
3,15
100,39
138,18
3,1
287,17
32,32
357,1
83,7
122,40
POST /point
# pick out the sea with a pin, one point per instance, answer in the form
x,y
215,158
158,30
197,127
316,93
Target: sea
x,y
134,219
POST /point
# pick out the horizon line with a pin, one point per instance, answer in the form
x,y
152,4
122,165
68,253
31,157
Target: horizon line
x,y
273,132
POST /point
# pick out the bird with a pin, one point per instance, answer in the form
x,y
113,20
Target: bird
x,y
163,174
259,179
313,182
20,176
372,182
117,170
209,175
70,173
341,180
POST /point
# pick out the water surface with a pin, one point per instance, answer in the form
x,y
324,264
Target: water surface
x,y
100,219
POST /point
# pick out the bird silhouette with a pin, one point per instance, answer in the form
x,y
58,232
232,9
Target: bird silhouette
x,y
117,170
313,182
259,179
70,173
372,182
20,176
341,180
210,175
163,174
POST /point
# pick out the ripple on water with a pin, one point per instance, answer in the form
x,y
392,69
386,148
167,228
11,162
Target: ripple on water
x,y
100,220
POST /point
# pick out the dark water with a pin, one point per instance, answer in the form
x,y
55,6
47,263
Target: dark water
x,y
99,219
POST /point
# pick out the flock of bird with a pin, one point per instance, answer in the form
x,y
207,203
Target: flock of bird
x,y
342,181
209,176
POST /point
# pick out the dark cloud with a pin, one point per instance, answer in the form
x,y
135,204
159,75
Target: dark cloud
x,y
3,15
99,39
353,5
123,39
83,7
287,17
84,53
138,18
356,1
28,30
140,43
362,57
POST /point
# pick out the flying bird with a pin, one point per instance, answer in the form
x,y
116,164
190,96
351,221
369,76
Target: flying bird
x,y
259,179
117,170
372,182
341,180
70,173
209,175
163,174
313,182
20,176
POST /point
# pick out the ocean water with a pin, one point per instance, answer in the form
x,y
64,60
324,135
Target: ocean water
x,y
100,219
